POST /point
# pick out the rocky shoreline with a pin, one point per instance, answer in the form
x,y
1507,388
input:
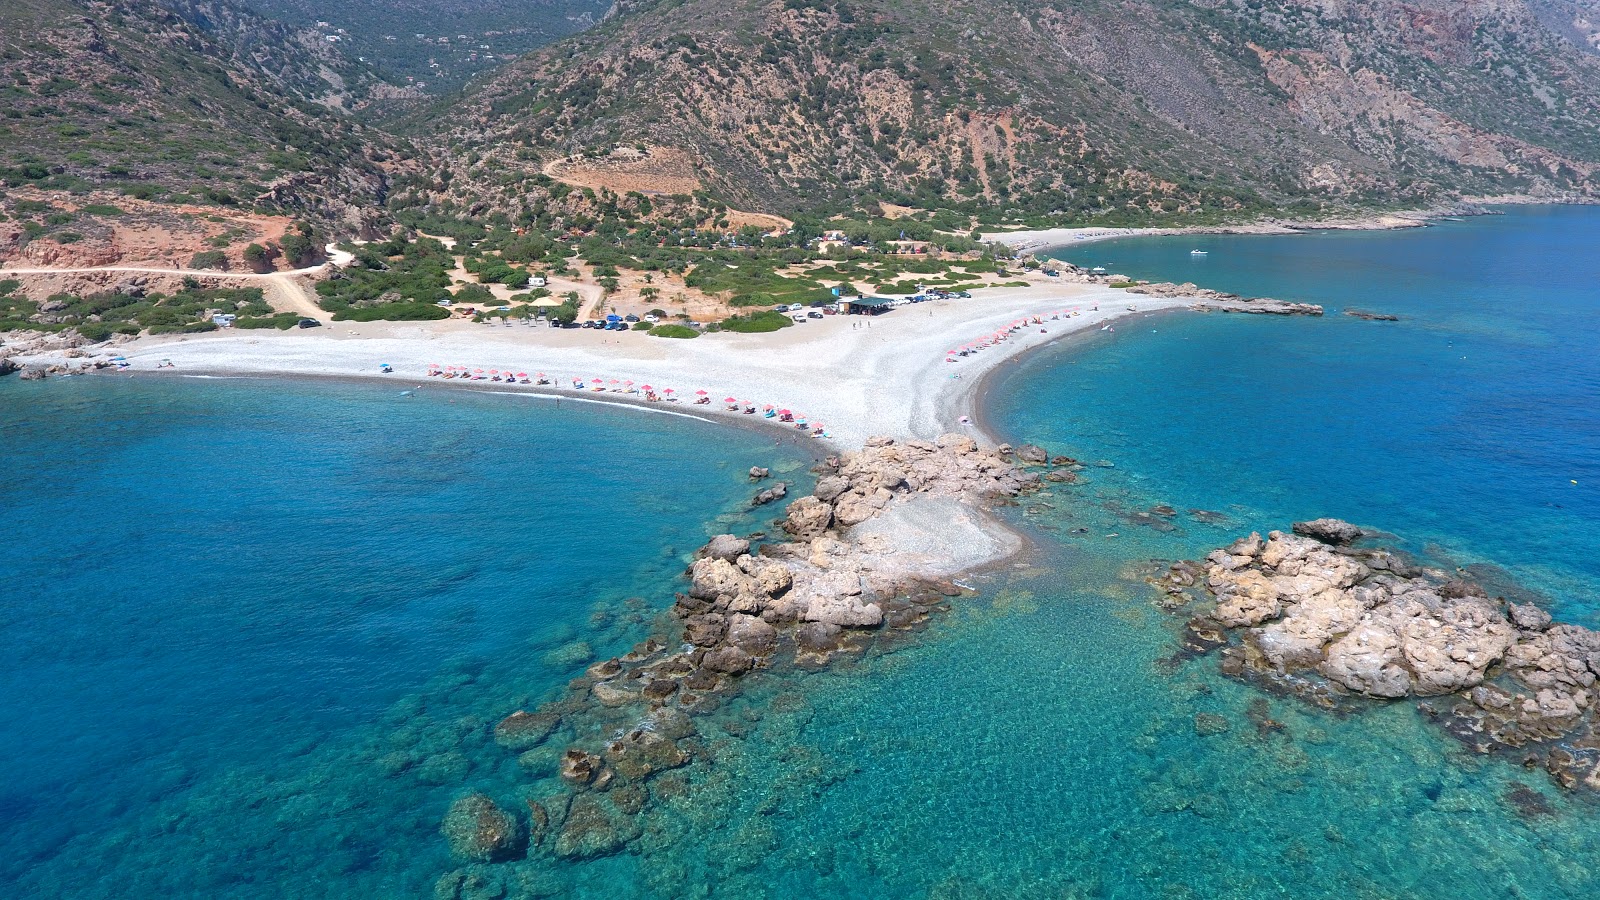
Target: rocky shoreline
x,y
1320,615
831,589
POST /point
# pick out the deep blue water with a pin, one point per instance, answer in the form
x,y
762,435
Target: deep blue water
x,y
259,632
1473,423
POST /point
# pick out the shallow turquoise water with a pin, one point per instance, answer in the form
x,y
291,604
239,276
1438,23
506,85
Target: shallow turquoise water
x,y
213,591
265,628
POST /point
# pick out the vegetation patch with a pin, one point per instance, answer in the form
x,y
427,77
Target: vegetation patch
x,y
674,331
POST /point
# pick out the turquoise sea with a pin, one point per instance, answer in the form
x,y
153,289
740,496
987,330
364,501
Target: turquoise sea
x,y
257,632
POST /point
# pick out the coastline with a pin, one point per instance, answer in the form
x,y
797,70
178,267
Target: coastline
x,y
1026,241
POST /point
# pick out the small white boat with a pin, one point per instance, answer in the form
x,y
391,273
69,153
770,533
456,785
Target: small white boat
x,y
1197,253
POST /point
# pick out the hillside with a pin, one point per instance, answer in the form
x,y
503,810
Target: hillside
x,y
1053,109
186,101
438,44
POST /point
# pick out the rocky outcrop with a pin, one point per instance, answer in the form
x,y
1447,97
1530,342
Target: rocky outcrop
x,y
1314,615
746,609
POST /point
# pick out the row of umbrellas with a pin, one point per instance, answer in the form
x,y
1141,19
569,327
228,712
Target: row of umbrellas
x,y
1000,336
617,385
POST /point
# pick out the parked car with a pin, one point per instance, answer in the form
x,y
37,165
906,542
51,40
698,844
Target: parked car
x,y
798,317
310,323
652,319
630,318
814,314
964,295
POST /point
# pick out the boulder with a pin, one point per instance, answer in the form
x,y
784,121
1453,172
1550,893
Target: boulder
x,y
728,660
712,578
772,494
856,507
704,630
725,547
818,637
1330,531
524,730
752,635
767,577
1528,617
829,487
578,767
758,472
808,517
1033,454
479,830
844,611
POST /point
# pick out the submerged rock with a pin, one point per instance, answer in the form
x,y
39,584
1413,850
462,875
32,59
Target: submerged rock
x,y
478,829
524,731
593,828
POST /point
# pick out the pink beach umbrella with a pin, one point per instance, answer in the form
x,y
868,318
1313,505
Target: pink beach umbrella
x,y
522,374
596,381
700,393
729,400
768,406
669,391
648,387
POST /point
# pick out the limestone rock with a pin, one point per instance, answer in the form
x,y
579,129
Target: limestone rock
x,y
1247,599
1528,617
729,660
726,547
1330,531
829,487
752,635
808,517
1033,454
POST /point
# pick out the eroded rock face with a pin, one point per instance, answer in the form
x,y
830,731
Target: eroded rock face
x,y
479,830
1331,531
808,517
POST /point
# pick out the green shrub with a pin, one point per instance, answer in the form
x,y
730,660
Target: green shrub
x,y
102,209
674,331
394,312
642,326
757,323
209,259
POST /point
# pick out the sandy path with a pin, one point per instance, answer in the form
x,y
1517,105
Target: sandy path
x,y
858,377
283,290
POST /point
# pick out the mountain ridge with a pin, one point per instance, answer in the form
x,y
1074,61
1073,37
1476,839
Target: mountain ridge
x,y
1060,109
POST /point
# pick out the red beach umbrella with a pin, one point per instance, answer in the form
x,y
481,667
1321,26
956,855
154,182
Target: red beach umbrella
x,y
648,387
669,391
596,381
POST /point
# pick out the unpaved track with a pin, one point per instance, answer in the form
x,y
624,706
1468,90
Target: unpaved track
x,y
283,291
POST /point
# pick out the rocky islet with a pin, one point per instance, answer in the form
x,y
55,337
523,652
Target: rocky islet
x,y
1319,615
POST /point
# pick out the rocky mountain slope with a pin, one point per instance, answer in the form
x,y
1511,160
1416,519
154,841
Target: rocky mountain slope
x,y
1054,109
439,44
192,100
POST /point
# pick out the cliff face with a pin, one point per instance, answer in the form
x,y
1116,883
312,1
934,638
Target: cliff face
x,y
1063,106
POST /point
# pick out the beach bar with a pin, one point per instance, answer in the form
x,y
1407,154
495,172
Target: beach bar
x,y
866,306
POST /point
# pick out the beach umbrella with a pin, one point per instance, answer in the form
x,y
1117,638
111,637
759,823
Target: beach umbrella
x,y
768,406
522,374
669,391
541,374
492,371
478,371
629,383
729,400
648,387
701,393
596,381
783,412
